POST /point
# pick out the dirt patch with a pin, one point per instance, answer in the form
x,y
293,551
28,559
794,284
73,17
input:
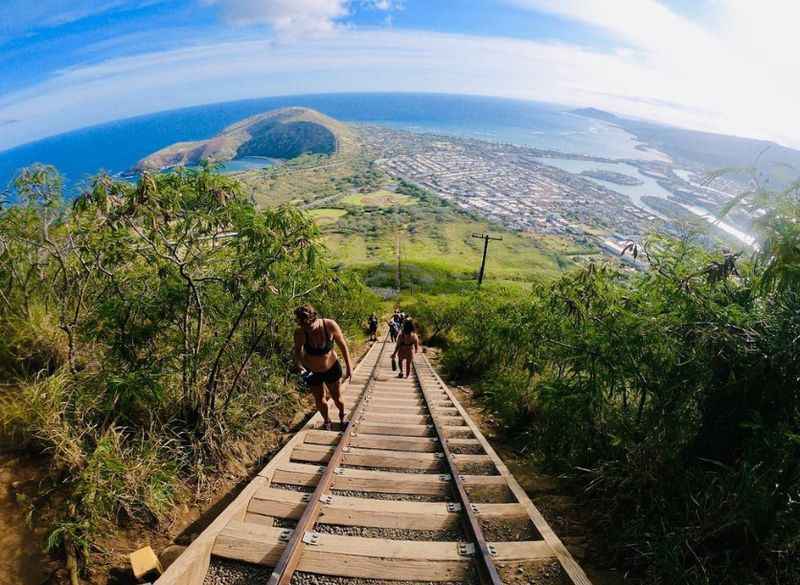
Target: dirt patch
x,y
22,560
533,574
509,530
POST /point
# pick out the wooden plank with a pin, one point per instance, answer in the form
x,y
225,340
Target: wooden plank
x,y
406,402
343,556
570,566
465,458
357,511
366,441
460,432
398,430
404,430
368,558
371,457
380,481
370,481
450,421
349,511
384,388
406,419
392,459
388,402
255,517
463,442
419,409
500,511
399,409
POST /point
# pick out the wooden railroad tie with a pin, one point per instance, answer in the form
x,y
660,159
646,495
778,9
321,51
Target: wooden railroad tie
x,y
405,438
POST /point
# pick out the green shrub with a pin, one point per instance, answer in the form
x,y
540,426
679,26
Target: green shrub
x,y
669,397
149,328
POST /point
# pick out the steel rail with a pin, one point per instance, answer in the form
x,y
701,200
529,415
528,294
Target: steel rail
x,y
486,565
290,558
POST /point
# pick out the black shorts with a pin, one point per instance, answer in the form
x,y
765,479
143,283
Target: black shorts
x,y
334,374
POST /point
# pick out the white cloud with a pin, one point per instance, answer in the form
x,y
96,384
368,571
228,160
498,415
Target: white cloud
x,y
675,71
384,5
286,17
741,71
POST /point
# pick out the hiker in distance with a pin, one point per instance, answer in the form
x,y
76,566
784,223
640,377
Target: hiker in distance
x,y
394,329
373,327
407,346
315,356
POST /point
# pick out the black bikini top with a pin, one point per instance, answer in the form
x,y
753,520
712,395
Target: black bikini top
x,y
319,351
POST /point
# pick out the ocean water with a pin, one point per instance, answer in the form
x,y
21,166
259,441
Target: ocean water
x,y
118,146
649,185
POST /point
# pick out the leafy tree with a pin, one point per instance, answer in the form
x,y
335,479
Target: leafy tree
x,y
149,327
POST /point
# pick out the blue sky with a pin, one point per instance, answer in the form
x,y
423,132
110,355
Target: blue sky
x,y
720,65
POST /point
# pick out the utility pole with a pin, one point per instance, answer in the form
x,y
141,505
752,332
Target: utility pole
x,y
485,238
397,279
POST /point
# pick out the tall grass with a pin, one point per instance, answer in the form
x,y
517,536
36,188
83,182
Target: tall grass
x,y
148,334
31,343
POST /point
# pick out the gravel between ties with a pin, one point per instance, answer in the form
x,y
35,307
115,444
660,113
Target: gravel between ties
x,y
227,572
455,535
442,468
290,487
300,578
398,497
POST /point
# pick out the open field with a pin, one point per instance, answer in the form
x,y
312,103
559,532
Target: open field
x,y
379,198
327,215
446,250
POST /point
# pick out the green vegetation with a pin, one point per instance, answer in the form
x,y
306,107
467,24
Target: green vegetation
x,y
437,250
147,332
308,179
670,397
365,215
277,139
381,198
326,215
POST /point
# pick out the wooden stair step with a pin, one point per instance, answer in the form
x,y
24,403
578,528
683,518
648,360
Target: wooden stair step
x,y
400,430
369,481
390,482
367,441
309,453
366,558
406,419
347,511
372,409
370,457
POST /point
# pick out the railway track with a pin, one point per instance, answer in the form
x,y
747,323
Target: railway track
x,y
410,491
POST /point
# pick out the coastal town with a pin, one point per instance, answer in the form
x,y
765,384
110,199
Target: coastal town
x,y
516,187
